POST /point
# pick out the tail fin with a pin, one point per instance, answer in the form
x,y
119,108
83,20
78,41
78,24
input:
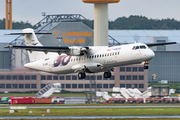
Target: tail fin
x,y
31,40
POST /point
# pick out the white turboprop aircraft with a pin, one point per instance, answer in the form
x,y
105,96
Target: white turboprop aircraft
x,y
93,59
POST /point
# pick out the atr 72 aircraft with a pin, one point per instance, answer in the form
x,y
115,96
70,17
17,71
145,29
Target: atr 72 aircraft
x,y
82,60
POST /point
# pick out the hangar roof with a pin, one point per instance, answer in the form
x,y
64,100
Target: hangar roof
x,y
8,38
129,36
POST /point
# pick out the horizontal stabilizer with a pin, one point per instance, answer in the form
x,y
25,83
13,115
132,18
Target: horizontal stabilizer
x,y
26,33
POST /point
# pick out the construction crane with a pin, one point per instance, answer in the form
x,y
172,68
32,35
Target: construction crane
x,y
8,14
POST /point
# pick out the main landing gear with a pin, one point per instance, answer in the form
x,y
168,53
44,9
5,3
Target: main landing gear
x,y
107,74
81,75
146,65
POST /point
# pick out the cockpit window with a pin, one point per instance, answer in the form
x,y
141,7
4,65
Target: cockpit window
x,y
142,47
139,47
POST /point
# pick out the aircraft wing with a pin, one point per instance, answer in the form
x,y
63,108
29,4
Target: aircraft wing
x,y
39,48
74,51
159,44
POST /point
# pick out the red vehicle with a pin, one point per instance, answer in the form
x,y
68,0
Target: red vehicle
x,y
131,100
122,100
166,100
117,100
175,100
139,100
149,100
43,100
22,100
157,100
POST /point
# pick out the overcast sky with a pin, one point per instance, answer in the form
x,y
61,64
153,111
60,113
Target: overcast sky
x,y
30,10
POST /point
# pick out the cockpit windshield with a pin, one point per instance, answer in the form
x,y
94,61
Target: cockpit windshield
x,y
139,47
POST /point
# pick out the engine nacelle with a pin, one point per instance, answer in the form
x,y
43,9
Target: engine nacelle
x,y
75,51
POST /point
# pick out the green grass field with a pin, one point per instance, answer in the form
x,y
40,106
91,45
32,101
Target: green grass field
x,y
91,111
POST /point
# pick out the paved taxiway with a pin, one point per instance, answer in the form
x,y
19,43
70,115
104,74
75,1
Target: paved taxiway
x,y
90,117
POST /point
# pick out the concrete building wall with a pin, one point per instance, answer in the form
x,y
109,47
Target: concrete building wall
x,y
4,57
22,80
165,65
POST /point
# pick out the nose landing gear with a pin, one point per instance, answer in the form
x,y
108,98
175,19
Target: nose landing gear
x,y
146,65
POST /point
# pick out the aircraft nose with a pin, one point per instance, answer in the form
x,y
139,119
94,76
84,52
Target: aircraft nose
x,y
151,54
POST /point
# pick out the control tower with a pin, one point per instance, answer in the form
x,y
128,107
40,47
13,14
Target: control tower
x,y
100,20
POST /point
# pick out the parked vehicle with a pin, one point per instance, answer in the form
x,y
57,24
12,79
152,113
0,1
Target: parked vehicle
x,y
43,100
157,100
5,100
139,100
149,100
22,100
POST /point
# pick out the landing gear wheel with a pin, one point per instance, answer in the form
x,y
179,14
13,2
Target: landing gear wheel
x,y
107,74
81,75
146,67
146,64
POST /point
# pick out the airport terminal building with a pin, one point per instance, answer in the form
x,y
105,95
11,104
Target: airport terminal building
x,y
69,30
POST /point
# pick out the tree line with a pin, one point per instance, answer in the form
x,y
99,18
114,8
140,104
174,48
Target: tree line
x,y
16,25
140,22
131,22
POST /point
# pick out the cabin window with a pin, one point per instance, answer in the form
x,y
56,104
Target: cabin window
x,y
97,56
108,54
100,55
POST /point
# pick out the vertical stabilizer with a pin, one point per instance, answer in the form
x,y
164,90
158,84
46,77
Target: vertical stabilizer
x,y
31,40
